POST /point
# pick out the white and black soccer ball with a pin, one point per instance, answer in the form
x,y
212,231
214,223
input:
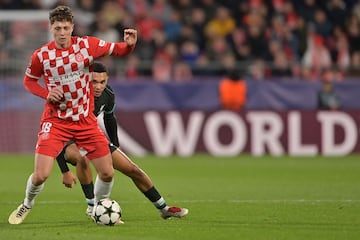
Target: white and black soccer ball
x,y
107,212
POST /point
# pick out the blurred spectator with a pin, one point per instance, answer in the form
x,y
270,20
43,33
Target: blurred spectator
x,y
168,52
301,31
173,26
202,67
316,58
105,31
161,70
322,24
290,15
354,70
189,52
353,33
226,63
232,92
337,11
343,59
131,68
255,16
258,70
185,8
238,44
217,48
85,16
221,25
146,24
307,10
281,66
182,72
256,41
198,21
327,98
112,13
210,8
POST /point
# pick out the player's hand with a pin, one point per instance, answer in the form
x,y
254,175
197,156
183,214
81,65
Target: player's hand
x,y
55,94
69,180
130,37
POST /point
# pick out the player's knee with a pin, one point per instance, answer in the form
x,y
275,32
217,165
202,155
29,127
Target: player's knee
x,y
39,178
83,163
106,176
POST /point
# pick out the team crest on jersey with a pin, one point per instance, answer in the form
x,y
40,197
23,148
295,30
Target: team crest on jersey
x,y
79,57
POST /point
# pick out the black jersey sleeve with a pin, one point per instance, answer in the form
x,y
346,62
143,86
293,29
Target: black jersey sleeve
x,y
111,128
62,162
109,116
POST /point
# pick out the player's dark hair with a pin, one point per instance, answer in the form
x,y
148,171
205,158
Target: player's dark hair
x,y
99,67
61,14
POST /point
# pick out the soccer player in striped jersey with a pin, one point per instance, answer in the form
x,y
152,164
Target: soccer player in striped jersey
x,y
105,103
65,64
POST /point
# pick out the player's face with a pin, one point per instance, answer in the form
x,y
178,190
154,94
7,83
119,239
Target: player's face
x,y
62,33
99,82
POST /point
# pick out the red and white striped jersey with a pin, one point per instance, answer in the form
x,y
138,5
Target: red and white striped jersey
x,y
71,69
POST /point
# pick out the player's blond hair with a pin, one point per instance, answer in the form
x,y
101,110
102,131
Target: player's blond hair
x,y
61,14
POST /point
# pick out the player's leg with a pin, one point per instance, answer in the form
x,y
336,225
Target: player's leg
x,y
35,183
143,182
84,174
122,163
93,141
50,142
72,154
104,179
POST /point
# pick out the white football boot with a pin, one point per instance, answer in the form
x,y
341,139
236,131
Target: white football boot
x,y
19,214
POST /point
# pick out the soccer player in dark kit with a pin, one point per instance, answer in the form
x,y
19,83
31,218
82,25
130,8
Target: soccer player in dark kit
x,y
105,103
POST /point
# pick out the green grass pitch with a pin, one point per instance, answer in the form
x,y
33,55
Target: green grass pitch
x,y
241,197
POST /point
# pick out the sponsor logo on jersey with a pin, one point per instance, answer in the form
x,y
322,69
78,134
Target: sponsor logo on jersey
x,y
67,78
79,57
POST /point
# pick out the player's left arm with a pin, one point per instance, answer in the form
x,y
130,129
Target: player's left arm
x,y
68,178
128,45
130,37
100,48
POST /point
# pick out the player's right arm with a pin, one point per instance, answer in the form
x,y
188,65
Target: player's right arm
x,y
33,73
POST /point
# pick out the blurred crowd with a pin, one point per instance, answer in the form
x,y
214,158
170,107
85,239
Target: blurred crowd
x,y
180,40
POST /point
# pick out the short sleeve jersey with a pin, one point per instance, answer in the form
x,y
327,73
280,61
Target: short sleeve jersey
x,y
71,69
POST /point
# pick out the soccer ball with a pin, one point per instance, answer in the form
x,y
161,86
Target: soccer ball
x,y
107,212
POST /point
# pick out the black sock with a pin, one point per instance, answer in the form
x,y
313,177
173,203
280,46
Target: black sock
x,y
88,190
154,196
